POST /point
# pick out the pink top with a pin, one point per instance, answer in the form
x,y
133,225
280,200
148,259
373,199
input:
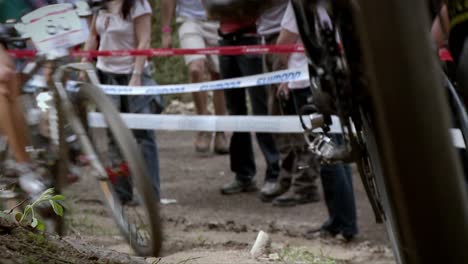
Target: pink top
x,y
115,33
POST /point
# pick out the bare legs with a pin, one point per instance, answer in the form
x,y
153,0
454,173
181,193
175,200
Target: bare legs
x,y
197,71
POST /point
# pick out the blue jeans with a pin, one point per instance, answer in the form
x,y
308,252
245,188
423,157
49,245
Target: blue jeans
x,y
338,190
146,139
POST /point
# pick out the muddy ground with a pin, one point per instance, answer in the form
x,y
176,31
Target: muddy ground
x,y
207,228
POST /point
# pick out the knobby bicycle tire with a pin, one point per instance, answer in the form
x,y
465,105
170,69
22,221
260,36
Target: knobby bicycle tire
x,y
133,156
422,173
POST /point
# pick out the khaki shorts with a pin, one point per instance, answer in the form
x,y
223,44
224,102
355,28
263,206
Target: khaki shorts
x,y
198,34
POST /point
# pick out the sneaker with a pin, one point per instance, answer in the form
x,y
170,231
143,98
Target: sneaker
x,y
202,142
30,180
320,233
291,198
238,187
221,145
271,190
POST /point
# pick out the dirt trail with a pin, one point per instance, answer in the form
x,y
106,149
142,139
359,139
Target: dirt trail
x,y
202,226
205,227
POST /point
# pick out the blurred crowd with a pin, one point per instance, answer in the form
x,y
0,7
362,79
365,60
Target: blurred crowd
x,y
291,172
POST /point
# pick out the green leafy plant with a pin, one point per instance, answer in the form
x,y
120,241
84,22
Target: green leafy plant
x,y
28,216
291,255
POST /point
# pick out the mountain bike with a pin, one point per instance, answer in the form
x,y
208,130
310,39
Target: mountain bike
x,y
371,65
376,71
108,152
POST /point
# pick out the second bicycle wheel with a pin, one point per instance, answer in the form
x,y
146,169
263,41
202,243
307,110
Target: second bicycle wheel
x,y
126,189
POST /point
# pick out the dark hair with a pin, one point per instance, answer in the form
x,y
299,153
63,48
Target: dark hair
x,y
127,7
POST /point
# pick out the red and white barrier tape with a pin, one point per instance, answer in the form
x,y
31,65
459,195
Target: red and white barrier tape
x,y
227,50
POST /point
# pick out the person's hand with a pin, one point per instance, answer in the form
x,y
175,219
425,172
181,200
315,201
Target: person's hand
x,y
283,91
166,41
135,80
82,76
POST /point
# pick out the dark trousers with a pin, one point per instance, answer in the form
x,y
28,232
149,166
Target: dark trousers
x,y
339,197
240,149
295,150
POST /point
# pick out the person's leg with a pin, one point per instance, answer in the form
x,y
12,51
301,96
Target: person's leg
x,y
240,147
211,38
303,183
13,125
286,148
191,37
12,121
196,70
146,139
197,74
250,65
339,198
219,103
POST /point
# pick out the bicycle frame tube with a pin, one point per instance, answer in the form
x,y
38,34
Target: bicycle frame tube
x,y
421,169
72,118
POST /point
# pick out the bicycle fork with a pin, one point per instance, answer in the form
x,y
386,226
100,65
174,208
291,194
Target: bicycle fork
x,y
66,105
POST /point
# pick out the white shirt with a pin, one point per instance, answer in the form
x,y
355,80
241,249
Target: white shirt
x,y
270,21
296,60
115,33
191,9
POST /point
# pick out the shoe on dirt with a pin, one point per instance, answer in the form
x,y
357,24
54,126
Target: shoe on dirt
x,y
291,198
221,145
271,190
203,142
238,187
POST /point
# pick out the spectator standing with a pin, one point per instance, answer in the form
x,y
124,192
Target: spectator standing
x,y
126,24
235,32
195,32
336,179
299,168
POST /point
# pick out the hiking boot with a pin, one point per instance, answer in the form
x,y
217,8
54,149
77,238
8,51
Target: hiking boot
x,y
238,187
221,145
271,190
202,142
291,198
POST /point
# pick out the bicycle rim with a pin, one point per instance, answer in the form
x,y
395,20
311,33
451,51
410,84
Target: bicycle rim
x,y
140,225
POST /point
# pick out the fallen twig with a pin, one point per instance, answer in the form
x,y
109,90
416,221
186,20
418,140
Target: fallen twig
x,y
18,205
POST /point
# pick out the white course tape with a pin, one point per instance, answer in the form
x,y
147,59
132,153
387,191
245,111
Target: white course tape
x,y
265,124
300,74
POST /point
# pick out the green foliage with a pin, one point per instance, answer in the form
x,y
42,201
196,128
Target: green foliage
x,y
302,256
28,216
